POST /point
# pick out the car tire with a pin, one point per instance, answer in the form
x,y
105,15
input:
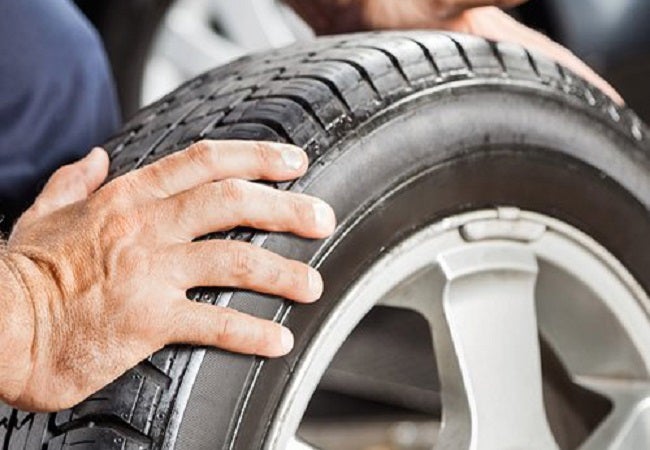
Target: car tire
x,y
402,130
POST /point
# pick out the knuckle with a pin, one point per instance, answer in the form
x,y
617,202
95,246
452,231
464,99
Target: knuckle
x,y
116,227
243,263
155,172
302,210
233,190
225,328
267,337
131,258
274,275
202,153
119,189
265,156
297,283
301,277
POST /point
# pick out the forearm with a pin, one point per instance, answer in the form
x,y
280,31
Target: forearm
x,y
331,16
16,329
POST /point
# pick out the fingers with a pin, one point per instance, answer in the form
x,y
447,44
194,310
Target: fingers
x,y
448,8
73,182
241,265
491,23
230,203
204,324
208,161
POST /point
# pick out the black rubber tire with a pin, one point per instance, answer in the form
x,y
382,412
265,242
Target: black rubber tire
x,y
402,130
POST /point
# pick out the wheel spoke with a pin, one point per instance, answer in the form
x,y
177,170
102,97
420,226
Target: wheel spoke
x,y
628,424
485,333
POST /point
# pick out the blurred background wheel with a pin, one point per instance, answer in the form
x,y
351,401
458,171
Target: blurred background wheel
x,y
197,35
155,45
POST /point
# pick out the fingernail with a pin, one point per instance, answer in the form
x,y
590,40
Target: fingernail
x,y
322,215
292,157
315,282
286,340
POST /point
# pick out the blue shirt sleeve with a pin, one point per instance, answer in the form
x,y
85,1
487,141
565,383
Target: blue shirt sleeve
x,y
57,97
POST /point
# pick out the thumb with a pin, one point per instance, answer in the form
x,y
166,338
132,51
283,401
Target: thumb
x,y
73,182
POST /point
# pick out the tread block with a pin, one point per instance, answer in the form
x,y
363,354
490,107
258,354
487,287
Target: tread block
x,y
126,158
162,359
516,60
345,82
167,118
286,116
373,65
248,79
107,402
183,136
407,53
546,68
220,102
17,426
97,437
244,131
444,53
479,52
312,94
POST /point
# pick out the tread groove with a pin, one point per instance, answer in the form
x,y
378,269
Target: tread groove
x,y
498,56
154,374
462,52
532,63
302,103
360,69
332,87
9,423
393,59
427,55
105,421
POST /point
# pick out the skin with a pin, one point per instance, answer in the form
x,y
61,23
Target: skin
x,y
96,276
479,17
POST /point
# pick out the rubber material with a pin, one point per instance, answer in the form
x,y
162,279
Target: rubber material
x,y
402,129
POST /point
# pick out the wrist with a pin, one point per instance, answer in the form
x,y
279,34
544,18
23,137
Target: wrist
x,y
17,329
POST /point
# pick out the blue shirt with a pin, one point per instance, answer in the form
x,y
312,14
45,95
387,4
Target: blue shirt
x,y
57,97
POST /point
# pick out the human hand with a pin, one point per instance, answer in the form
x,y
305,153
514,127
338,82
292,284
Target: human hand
x,y
479,17
106,271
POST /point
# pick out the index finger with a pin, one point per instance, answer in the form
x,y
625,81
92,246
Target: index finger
x,y
207,161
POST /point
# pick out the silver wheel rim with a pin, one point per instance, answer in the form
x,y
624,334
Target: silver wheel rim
x,y
488,282
187,42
